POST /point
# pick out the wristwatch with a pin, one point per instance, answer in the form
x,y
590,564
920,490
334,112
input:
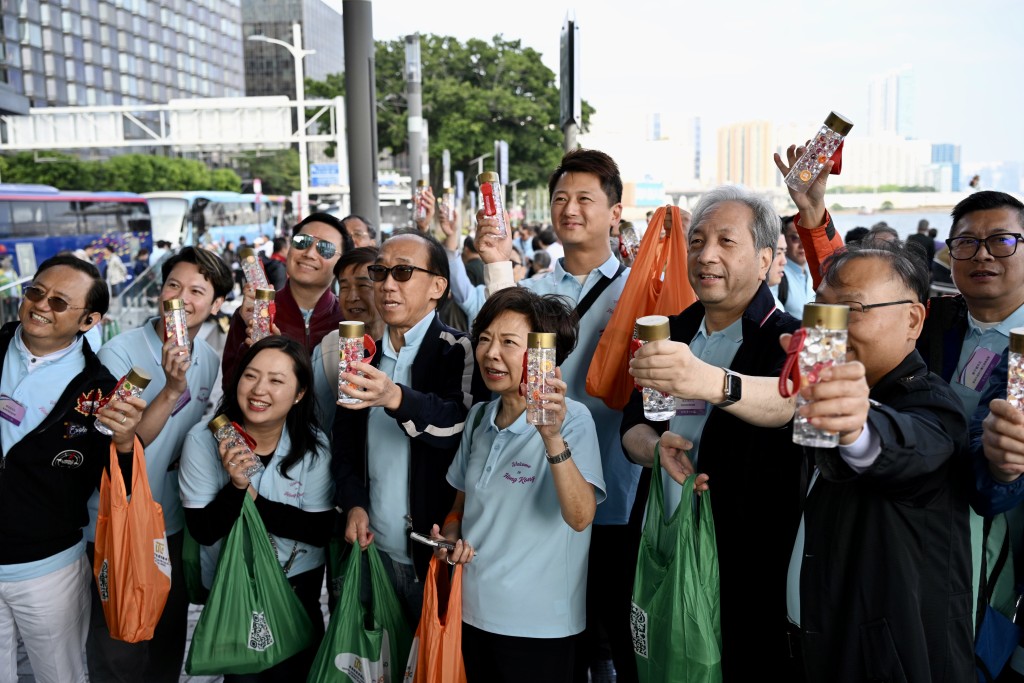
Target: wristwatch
x,y
733,389
561,457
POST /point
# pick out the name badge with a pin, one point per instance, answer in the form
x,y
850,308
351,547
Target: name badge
x,y
690,406
978,368
11,410
183,401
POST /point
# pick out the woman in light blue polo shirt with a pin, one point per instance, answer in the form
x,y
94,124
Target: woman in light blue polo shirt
x,y
526,501
272,399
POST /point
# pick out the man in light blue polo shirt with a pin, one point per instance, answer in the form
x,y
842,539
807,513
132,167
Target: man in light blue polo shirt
x,y
176,397
798,274
586,196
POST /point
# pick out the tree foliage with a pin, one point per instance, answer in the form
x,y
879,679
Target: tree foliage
x,y
278,171
126,173
473,94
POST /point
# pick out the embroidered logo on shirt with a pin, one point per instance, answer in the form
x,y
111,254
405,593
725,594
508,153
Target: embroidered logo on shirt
x,y
518,476
73,430
69,460
89,402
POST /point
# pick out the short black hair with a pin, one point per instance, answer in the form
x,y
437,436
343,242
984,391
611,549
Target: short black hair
x,y
321,217
97,299
437,257
355,257
855,234
369,226
905,264
547,237
593,162
545,313
210,266
984,201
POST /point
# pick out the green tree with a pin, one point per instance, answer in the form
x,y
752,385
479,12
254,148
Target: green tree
x,y
125,173
277,170
473,94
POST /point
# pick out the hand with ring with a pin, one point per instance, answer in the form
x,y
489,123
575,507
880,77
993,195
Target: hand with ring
x,y
235,459
462,554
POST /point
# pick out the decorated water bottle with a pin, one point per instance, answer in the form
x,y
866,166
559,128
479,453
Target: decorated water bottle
x,y
540,370
176,324
819,150
262,314
447,203
252,268
223,428
1015,378
350,350
131,385
823,346
658,406
492,200
419,209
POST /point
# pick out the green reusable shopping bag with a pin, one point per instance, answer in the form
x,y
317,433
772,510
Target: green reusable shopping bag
x,y
360,645
252,619
193,569
675,612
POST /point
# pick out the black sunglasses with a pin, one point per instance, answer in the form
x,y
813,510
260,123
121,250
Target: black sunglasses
x,y
303,242
379,273
58,305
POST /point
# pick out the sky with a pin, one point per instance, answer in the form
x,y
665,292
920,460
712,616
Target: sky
x,y
788,61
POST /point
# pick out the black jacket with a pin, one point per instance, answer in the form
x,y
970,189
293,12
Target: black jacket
x,y
885,585
47,477
755,483
943,335
445,383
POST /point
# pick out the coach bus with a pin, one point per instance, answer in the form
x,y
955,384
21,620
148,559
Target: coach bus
x,y
38,221
192,218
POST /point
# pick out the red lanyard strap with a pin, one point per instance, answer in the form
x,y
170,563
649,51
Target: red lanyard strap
x,y
791,370
249,441
634,346
522,378
369,345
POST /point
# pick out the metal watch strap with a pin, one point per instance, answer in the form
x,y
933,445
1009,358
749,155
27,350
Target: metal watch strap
x,y
561,457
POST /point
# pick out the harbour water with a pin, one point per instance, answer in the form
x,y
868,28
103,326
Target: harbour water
x,y
903,220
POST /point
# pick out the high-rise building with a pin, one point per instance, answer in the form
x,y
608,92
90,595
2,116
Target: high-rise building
x,y
948,155
891,104
745,154
120,52
270,69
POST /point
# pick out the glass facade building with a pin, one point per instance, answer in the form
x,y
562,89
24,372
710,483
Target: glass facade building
x,y
121,52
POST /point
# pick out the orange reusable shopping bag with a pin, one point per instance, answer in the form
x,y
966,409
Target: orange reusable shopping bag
x,y
436,655
646,293
132,566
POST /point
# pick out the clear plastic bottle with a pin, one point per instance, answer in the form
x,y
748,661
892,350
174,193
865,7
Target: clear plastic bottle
x,y
222,429
492,200
824,346
1015,378
630,240
252,268
176,324
540,370
448,205
819,151
350,349
262,314
132,384
419,209
658,406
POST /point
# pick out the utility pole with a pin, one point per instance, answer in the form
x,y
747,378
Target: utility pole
x,y
414,97
361,109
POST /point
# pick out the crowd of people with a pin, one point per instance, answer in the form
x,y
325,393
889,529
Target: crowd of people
x,y
852,563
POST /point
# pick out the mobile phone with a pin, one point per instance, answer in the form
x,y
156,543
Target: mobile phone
x,y
433,542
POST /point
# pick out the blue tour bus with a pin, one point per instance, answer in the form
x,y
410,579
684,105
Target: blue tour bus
x,y
38,221
193,218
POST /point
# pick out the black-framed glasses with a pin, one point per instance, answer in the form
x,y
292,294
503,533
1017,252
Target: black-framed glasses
x,y
858,307
302,242
58,305
1000,245
403,273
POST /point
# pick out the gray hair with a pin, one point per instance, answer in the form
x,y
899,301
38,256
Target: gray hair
x,y
766,226
905,266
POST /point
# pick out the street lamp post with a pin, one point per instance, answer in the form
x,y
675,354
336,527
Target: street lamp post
x,y
298,53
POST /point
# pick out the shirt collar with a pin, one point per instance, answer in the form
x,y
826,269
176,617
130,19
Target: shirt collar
x,y
733,332
27,356
519,426
412,338
1015,319
608,268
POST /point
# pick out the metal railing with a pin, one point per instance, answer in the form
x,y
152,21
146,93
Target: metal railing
x,y
137,302
10,299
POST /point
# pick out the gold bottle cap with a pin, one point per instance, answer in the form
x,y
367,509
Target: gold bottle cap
x,y
174,305
652,328
839,123
488,177
351,329
421,183
138,377
1017,340
216,423
541,340
828,316
247,253
449,190
264,294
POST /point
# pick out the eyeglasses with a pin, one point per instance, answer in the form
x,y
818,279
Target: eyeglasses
x,y
323,247
999,245
379,273
58,305
858,307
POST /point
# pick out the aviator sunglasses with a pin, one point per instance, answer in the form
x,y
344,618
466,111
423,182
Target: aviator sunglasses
x,y
303,242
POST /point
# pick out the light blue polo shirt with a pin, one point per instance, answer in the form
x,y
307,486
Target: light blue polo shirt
x,y
36,382
388,451
620,474
718,349
995,338
801,288
325,392
142,347
308,486
530,578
